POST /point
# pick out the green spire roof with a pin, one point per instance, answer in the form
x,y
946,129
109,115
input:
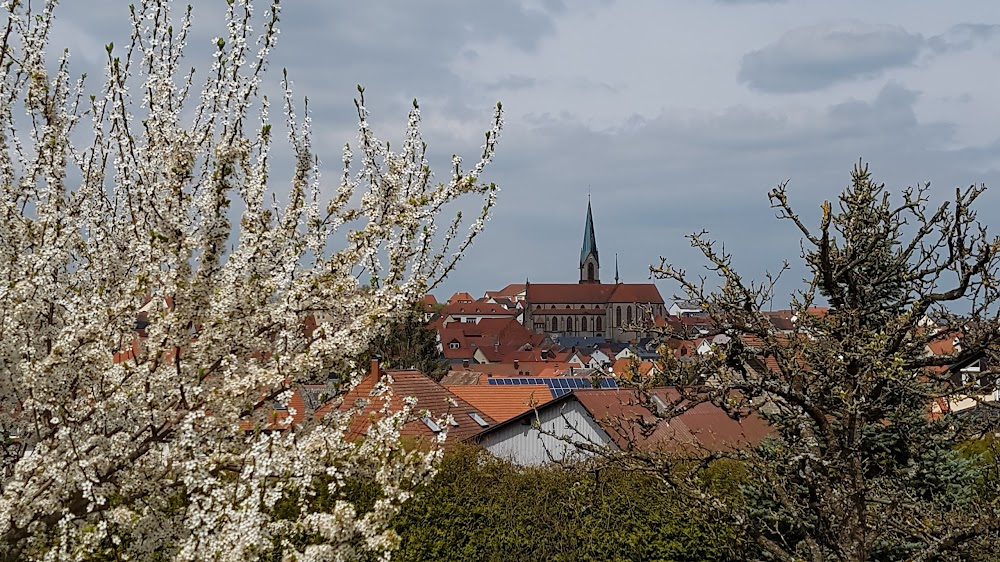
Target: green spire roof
x,y
589,240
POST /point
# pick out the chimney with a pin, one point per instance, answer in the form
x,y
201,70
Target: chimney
x,y
375,371
465,363
517,364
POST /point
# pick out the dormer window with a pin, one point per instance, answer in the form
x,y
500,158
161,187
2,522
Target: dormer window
x,y
431,425
478,419
454,345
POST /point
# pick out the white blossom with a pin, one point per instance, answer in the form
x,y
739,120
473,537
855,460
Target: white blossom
x,y
116,209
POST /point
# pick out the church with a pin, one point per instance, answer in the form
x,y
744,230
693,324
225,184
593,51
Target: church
x,y
612,311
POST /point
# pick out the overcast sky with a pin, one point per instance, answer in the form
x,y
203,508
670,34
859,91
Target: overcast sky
x,y
676,116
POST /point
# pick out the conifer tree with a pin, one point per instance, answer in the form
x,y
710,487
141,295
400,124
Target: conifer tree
x,y
860,466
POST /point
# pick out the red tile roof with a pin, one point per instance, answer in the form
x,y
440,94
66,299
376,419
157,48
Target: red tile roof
x,y
461,297
477,308
510,291
584,293
503,402
628,418
432,398
495,337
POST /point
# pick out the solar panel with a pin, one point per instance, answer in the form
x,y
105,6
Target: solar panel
x,y
557,385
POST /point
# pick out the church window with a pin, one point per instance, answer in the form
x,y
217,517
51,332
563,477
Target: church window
x,y
583,324
590,271
598,326
618,316
628,314
555,324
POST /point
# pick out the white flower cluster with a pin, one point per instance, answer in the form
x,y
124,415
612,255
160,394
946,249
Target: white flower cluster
x,y
139,325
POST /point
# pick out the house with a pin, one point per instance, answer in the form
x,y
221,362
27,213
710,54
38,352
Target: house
x,y
489,340
689,308
585,422
433,404
430,307
513,292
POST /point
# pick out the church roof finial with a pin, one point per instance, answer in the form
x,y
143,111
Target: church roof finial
x,y
616,269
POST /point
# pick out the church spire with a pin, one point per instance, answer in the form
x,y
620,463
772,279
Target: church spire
x,y
616,269
590,263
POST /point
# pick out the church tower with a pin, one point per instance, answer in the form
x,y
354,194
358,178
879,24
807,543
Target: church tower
x,y
590,264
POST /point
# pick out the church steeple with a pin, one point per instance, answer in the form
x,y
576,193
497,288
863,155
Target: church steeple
x,y
590,264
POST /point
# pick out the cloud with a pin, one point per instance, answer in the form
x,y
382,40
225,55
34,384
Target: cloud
x,y
814,57
962,37
656,179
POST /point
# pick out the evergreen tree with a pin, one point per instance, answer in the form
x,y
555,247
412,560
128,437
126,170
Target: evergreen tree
x,y
858,468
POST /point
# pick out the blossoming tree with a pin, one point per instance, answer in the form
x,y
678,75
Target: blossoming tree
x,y
125,444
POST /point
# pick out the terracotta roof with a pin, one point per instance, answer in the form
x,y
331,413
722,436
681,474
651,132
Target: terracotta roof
x,y
627,418
463,377
461,297
637,292
522,369
432,398
495,337
503,402
510,291
597,293
475,308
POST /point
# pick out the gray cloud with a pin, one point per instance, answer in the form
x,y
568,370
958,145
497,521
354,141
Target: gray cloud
x,y
962,37
661,178
814,57
653,177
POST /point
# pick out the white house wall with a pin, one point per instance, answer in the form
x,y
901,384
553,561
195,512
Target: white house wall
x,y
524,444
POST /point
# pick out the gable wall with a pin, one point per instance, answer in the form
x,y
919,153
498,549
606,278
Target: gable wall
x,y
524,444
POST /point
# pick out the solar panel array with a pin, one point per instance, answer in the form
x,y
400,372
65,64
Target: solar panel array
x,y
558,385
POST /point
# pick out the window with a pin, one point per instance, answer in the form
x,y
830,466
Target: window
x,y
478,419
618,316
599,321
583,324
628,314
590,271
430,424
569,324
555,324
454,345
470,320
